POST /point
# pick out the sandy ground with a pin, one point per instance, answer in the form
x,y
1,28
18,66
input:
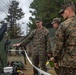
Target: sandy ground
x,y
28,67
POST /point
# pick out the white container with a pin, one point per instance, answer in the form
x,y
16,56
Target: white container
x,y
8,69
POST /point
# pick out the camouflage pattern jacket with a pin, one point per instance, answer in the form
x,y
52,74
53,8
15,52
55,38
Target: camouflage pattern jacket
x,y
65,43
40,40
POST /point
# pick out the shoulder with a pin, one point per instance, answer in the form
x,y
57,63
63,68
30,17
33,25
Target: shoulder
x,y
65,23
33,31
68,22
46,30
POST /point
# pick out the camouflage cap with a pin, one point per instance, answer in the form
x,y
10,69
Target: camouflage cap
x,y
38,19
56,20
65,5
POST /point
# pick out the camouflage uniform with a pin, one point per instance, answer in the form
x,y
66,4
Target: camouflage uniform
x,y
65,46
58,21
41,45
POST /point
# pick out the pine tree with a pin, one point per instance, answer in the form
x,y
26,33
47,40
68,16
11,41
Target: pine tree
x,y
15,14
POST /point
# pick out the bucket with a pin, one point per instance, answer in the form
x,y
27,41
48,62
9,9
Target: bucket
x,y
8,69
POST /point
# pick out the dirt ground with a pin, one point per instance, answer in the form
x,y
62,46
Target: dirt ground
x,y
29,70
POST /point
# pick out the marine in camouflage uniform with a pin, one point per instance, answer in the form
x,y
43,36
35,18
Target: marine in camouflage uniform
x,y
55,23
41,45
65,41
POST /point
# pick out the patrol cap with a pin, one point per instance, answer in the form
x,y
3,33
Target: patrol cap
x,y
65,5
38,19
56,20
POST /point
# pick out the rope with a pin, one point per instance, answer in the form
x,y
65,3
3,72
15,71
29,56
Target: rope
x,y
39,70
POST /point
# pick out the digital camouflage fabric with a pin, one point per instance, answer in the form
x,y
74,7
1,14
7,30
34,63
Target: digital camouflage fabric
x,y
65,5
56,20
65,43
41,45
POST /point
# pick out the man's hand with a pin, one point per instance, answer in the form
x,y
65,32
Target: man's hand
x,y
18,44
52,59
56,65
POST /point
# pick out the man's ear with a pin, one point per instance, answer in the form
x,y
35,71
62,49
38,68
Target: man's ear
x,y
68,10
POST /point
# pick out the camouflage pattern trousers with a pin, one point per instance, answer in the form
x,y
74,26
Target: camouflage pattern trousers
x,y
57,70
39,60
66,71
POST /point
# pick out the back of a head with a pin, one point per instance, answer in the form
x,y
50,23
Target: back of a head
x,y
71,6
67,4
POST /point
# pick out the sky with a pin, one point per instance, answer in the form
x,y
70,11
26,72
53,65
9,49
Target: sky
x,y
24,4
